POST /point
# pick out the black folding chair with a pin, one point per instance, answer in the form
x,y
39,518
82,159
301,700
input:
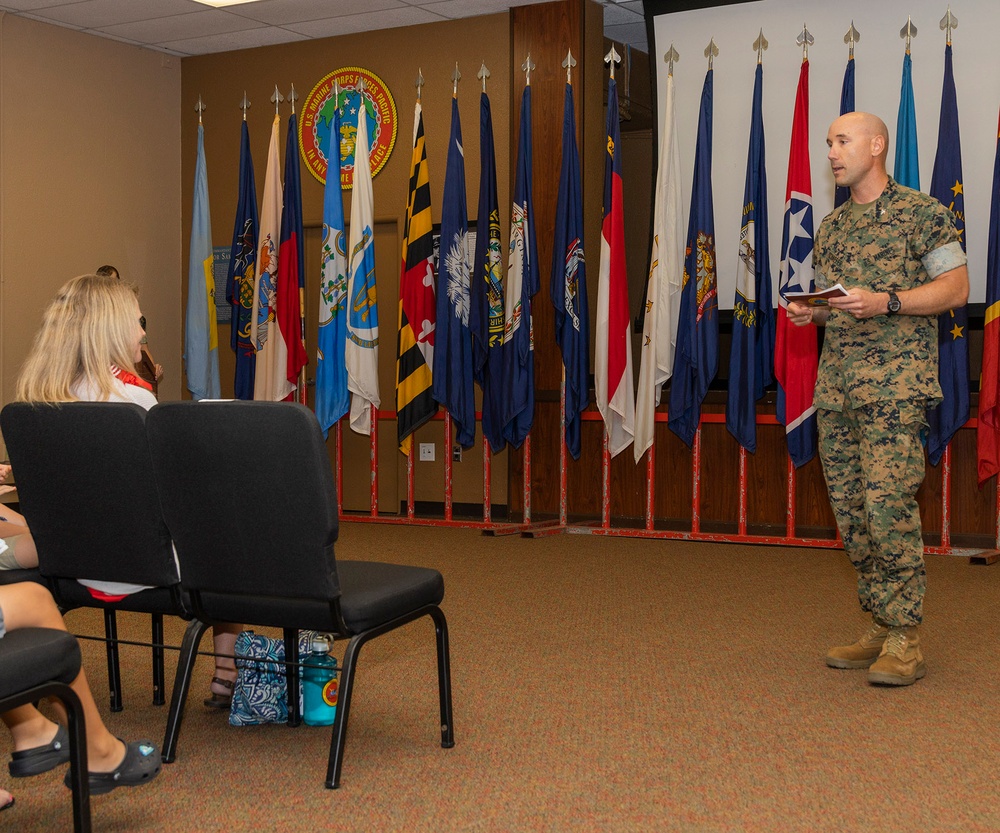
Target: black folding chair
x,y
42,662
85,484
250,502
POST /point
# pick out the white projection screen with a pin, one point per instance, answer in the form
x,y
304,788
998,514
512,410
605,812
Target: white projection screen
x,y
878,72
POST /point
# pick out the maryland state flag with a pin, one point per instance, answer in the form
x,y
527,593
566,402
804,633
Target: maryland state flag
x,y
242,274
291,275
988,430
486,314
796,358
953,326
415,403
696,358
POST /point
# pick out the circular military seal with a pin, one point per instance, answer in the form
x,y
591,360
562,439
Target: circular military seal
x,y
316,121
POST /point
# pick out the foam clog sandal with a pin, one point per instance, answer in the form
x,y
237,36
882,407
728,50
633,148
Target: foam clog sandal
x,y
141,764
41,759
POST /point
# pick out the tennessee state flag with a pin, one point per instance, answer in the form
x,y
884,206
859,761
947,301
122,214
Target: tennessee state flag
x,y
796,348
613,385
988,430
417,313
291,278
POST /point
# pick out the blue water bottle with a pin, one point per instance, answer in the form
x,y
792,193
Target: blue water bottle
x,y
319,683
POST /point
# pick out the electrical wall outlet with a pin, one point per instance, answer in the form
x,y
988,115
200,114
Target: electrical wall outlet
x,y
427,452
456,454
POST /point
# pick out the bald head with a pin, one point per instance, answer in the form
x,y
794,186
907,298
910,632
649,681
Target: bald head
x,y
859,144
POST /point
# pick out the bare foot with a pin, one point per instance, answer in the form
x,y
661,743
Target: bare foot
x,y
6,800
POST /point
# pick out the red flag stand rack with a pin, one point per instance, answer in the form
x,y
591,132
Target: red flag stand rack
x,y
604,525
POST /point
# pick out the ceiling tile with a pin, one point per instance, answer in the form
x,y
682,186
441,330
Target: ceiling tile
x,y
283,12
616,15
183,26
32,5
96,14
349,24
229,41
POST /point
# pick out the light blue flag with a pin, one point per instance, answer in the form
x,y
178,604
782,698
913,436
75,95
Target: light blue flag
x,y
332,399
907,169
201,337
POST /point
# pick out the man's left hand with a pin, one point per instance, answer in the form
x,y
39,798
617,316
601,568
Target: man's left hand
x,y
861,303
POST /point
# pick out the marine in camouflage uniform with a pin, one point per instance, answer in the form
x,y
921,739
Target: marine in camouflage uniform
x,y
876,379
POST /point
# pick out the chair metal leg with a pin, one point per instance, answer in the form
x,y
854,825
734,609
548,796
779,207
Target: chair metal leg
x,y
444,677
347,685
159,697
343,710
182,682
78,775
114,671
292,675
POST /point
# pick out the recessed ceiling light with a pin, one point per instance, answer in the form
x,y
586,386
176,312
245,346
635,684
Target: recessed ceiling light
x,y
218,3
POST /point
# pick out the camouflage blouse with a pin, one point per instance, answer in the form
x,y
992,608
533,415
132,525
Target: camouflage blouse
x,y
904,239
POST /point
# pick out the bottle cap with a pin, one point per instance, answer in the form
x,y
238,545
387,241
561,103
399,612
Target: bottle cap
x,y
321,643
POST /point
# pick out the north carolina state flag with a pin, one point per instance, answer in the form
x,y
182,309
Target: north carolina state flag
x,y
614,388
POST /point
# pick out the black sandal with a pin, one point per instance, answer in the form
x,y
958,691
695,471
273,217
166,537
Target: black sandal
x,y
221,701
141,764
41,759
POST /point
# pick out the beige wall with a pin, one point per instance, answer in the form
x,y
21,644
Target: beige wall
x,y
89,174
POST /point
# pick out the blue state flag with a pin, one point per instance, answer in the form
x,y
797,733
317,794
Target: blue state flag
x,y
452,374
846,106
201,338
751,362
953,326
522,284
568,285
907,166
243,273
332,398
486,317
696,358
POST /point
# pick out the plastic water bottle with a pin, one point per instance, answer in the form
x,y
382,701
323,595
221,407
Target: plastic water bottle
x,y
319,684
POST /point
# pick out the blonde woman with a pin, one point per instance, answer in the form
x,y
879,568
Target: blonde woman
x,y
90,333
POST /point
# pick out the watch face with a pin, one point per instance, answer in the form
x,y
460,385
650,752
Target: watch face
x,y
893,304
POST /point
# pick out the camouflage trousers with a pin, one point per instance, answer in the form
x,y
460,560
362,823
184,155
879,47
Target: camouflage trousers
x,y
873,461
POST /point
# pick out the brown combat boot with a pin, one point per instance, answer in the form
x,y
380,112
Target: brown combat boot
x,y
863,652
901,662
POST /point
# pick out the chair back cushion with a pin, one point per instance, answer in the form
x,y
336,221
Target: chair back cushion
x,y
249,498
85,483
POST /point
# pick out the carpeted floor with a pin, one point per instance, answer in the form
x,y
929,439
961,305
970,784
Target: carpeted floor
x,y
599,685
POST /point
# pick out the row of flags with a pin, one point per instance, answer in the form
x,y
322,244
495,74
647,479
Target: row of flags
x,y
471,322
